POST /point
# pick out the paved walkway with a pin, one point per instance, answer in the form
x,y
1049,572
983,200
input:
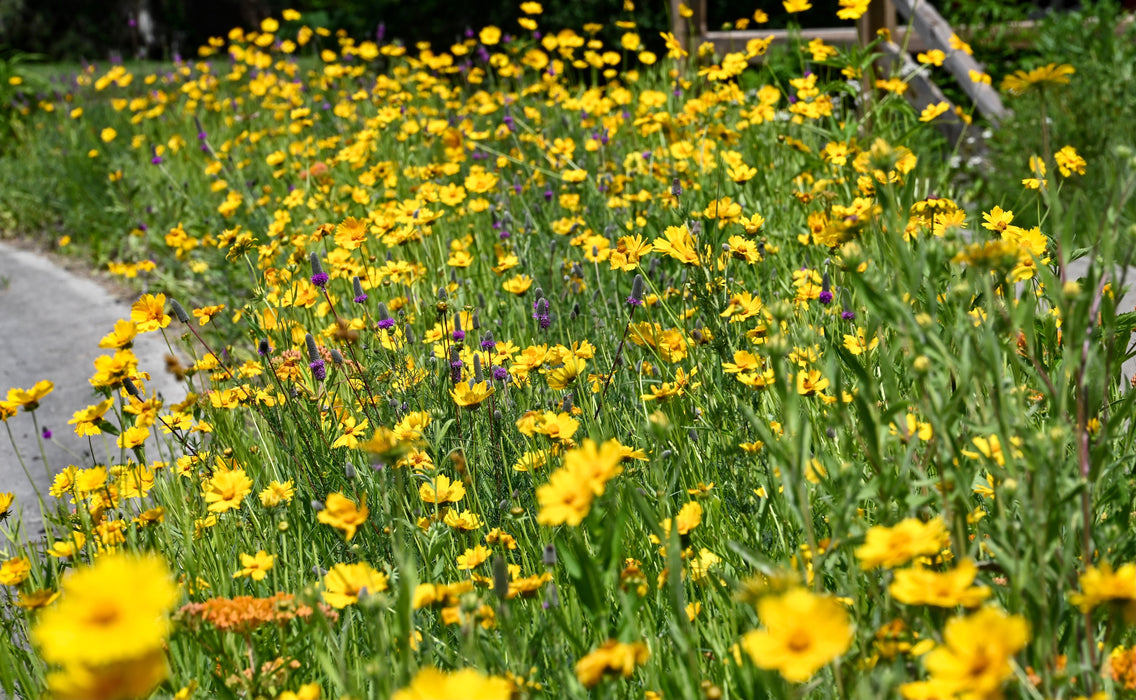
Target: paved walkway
x,y
51,321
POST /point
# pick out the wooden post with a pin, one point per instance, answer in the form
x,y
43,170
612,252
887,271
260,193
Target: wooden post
x,y
689,32
880,15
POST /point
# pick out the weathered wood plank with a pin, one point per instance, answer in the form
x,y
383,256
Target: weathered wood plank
x,y
936,33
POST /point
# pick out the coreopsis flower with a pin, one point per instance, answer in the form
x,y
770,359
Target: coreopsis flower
x,y
277,493
890,547
932,111
351,233
678,244
341,513
974,659
345,584
87,421
206,313
14,571
949,589
795,6
801,632
441,490
473,557
256,566
1052,74
612,658
1069,161
28,399
852,9
132,437
568,495
121,337
811,382
352,430
108,629
34,600
431,684
226,490
6,501
467,394
1104,585
148,313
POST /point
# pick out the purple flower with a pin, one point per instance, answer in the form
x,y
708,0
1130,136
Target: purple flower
x,y
848,315
825,297
386,323
46,433
319,277
499,373
319,371
357,288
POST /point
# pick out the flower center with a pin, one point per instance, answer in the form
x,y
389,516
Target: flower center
x,y
799,641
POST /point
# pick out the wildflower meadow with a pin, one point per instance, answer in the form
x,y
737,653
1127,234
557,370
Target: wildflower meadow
x,y
547,366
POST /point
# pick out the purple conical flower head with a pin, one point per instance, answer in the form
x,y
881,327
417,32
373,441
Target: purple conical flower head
x,y
357,288
319,277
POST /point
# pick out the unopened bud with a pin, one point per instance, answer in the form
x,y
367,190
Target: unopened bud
x,y
179,311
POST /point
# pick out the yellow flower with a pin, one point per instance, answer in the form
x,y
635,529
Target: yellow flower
x,y
895,546
465,684
467,394
28,399
852,9
132,437
34,600
934,57
1069,162
341,513
974,659
678,243
1102,584
113,611
108,134
441,490
473,558
256,566
932,111
613,657
801,632
795,6
345,584
14,571
122,335
148,313
276,493
6,501
919,586
352,429
568,495
1053,74
87,421
518,285
810,382
490,35
226,490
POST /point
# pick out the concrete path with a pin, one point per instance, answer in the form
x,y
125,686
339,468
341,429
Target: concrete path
x,y
51,321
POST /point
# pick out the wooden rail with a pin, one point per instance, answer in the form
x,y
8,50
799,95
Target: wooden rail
x,y
925,29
